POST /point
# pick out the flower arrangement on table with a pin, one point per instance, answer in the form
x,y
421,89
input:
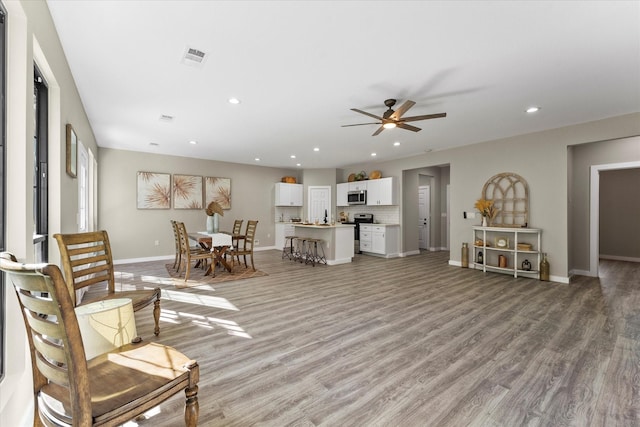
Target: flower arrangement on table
x,y
487,210
214,208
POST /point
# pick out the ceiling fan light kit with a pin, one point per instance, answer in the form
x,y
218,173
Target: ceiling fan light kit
x,y
391,119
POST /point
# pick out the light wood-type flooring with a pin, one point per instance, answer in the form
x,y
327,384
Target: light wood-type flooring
x,y
402,342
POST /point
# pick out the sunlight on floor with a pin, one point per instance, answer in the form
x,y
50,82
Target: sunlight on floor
x,y
147,415
205,300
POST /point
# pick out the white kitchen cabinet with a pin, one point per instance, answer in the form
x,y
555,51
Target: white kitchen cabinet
x,y
283,229
383,191
357,185
289,194
381,239
341,194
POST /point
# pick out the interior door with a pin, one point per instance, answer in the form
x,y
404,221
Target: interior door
x,y
319,203
424,218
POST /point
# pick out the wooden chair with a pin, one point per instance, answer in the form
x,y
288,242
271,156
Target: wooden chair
x,y
176,236
107,390
247,247
86,260
235,234
188,255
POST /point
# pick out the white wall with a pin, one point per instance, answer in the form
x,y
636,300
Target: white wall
x,y
32,39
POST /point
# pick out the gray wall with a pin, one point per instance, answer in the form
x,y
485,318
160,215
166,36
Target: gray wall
x,y
133,231
542,159
620,213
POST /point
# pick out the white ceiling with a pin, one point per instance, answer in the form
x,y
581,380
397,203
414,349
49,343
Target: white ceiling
x,y
299,67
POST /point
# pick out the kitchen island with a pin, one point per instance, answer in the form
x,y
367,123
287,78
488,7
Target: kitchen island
x,y
338,240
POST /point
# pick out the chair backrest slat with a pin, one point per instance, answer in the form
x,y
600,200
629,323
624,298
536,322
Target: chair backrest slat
x,y
237,226
86,260
250,235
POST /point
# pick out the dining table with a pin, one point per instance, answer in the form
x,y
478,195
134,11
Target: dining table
x,y
218,243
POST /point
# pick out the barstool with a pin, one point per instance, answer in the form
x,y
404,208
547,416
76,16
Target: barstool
x,y
312,255
301,249
287,250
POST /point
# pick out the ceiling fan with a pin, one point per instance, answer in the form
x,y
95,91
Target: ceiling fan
x,y
391,118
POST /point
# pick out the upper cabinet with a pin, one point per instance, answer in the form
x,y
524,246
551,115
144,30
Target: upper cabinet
x,y
289,194
357,185
341,194
382,191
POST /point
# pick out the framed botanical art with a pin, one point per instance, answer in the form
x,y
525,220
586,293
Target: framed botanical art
x,y
72,151
187,192
153,190
217,190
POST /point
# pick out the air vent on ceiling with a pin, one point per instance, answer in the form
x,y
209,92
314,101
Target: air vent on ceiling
x,y
166,118
194,57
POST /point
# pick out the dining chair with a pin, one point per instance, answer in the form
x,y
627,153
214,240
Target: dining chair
x,y
87,261
235,234
107,390
187,255
247,245
176,236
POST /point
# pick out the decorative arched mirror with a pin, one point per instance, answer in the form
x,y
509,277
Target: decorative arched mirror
x,y
510,195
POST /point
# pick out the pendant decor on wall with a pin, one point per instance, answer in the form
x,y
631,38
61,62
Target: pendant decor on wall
x,y
510,195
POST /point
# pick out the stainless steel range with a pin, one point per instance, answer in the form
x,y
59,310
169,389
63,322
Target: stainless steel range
x,y
360,218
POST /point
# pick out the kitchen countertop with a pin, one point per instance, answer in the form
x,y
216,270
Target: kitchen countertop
x,y
301,224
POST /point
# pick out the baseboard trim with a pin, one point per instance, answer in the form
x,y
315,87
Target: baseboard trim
x,y
620,258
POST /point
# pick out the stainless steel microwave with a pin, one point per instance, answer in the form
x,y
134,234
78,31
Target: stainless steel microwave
x,y
357,197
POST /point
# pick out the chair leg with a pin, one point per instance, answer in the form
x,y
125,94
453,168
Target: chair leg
x,y
156,316
252,266
192,407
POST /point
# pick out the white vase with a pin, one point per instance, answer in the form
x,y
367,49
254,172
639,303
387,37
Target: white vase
x,y
212,223
484,221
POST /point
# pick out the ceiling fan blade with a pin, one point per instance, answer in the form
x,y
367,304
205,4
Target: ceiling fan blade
x,y
366,114
408,127
424,117
380,129
361,124
403,109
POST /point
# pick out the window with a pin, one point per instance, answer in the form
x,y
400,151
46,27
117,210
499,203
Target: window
x,y
3,39
40,168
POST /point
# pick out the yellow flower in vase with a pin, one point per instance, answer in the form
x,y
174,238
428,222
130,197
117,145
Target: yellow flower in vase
x,y
487,209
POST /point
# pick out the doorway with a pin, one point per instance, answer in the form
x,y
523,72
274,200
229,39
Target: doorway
x,y
319,206
594,226
424,216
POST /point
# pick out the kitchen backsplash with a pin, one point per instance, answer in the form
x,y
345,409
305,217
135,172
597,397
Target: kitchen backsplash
x,y
381,214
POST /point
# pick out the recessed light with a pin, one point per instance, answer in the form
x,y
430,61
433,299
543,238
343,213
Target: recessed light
x,y
298,164
316,149
193,142
373,154
234,101
293,156
532,109
257,159
396,144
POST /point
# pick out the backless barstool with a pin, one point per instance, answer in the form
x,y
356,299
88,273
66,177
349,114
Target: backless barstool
x,y
312,255
288,250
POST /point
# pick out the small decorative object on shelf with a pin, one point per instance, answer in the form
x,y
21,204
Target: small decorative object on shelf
x,y
544,268
479,259
526,265
465,255
502,261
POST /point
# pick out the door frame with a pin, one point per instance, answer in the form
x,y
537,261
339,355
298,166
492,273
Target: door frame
x,y
594,217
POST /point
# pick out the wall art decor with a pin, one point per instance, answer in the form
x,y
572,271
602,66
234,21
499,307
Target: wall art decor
x,y
218,190
510,195
187,192
72,151
154,190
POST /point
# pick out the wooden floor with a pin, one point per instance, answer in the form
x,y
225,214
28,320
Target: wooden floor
x,y
402,342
